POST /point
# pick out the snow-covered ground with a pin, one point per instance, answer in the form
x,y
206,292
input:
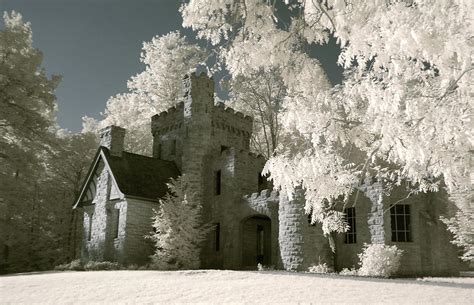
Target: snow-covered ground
x,y
211,286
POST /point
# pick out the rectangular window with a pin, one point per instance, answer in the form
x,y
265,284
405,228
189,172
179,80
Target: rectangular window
x,y
89,232
261,182
400,220
117,223
218,178
351,235
217,237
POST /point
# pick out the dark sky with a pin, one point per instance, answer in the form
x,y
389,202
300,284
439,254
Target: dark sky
x,y
95,45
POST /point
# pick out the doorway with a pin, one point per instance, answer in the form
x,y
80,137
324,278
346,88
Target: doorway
x,y
256,242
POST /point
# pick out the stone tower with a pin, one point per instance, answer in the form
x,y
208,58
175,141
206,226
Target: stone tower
x,y
183,133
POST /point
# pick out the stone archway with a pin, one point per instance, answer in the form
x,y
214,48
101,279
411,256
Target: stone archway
x,y
256,241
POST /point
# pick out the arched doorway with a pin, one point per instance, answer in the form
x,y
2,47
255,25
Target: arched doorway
x,y
256,242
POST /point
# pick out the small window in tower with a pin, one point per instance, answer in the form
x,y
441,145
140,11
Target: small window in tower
x,y
217,237
224,148
173,147
351,237
262,182
218,178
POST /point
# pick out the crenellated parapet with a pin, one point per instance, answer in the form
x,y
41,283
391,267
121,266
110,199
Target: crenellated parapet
x,y
168,120
262,202
226,118
264,195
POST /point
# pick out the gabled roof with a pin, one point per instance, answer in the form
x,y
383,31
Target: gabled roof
x,y
134,175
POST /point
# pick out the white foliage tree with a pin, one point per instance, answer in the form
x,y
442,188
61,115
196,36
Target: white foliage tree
x,y
178,228
167,59
260,95
404,111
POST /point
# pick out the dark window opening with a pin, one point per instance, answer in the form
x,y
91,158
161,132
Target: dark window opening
x,y
224,148
117,223
351,235
400,222
310,218
217,237
260,244
89,233
218,178
262,182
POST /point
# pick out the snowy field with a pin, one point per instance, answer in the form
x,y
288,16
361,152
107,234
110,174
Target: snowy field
x,y
210,286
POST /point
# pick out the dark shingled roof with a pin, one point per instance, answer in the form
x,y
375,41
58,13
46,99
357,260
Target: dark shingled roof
x,y
141,176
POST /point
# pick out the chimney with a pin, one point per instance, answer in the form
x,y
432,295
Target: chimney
x,y
112,137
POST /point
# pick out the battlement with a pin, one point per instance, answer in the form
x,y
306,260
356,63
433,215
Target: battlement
x,y
263,202
169,119
232,121
264,195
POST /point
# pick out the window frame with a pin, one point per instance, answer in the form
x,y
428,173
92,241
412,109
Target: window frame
x,y
350,236
400,216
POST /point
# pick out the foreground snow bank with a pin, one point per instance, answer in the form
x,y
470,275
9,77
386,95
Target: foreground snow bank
x,y
212,286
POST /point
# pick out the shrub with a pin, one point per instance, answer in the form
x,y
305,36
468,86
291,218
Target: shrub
x,y
132,267
348,272
261,267
75,265
379,260
320,268
94,266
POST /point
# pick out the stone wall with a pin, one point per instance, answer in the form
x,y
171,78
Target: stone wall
x,y
429,252
95,247
138,225
346,255
301,245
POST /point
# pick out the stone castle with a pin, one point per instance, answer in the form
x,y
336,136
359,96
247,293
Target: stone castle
x,y
252,224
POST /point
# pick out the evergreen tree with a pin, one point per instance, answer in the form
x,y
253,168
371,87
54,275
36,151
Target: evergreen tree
x,y
178,228
27,110
40,168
